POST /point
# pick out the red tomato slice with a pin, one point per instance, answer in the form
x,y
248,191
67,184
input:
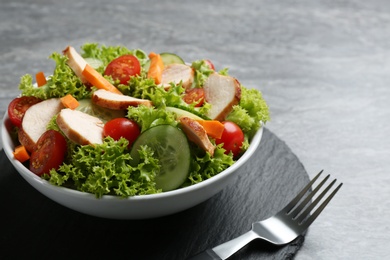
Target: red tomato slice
x,y
48,153
122,127
232,138
123,67
18,107
195,95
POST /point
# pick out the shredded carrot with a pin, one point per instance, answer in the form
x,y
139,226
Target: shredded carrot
x,y
40,78
21,153
213,128
69,101
156,67
97,80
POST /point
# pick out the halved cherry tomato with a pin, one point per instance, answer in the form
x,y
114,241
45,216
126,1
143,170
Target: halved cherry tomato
x,y
232,138
211,65
48,153
123,67
122,127
18,107
194,95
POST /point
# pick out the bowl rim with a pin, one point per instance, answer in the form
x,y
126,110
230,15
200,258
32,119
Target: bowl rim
x,y
8,146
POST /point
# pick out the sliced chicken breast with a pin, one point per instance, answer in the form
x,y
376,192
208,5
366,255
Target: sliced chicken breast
x,y
75,62
196,133
36,120
222,92
80,127
177,73
115,101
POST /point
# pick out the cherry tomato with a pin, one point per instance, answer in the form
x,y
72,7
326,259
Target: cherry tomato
x,y
18,107
123,67
194,95
211,65
232,138
122,127
48,153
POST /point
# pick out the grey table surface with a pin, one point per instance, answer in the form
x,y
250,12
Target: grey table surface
x,y
323,67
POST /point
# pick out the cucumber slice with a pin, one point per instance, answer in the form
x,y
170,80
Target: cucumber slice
x,y
193,111
171,147
167,58
171,58
180,112
104,114
94,63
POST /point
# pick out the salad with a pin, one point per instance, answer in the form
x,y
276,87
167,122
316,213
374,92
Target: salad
x,y
116,121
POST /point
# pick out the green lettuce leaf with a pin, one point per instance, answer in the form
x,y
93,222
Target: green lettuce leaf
x,y
62,82
145,88
105,170
147,117
107,53
201,72
204,166
139,87
251,112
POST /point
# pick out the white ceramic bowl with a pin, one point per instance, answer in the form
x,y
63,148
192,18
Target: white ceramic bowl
x,y
137,207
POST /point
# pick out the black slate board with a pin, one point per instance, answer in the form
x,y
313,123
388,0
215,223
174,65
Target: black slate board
x,y
34,227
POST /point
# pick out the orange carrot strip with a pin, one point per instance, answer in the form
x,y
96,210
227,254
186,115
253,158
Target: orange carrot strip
x,y
97,80
40,78
156,67
213,128
69,101
21,154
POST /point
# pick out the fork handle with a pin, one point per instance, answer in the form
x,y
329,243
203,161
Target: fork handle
x,y
227,249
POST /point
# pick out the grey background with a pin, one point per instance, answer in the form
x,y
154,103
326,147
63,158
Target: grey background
x,y
323,67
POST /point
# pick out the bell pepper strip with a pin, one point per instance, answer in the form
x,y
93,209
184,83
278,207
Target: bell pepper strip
x,y
21,154
213,128
97,80
41,79
156,67
69,102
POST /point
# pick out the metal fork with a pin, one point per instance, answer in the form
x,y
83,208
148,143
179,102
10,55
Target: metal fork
x,y
283,227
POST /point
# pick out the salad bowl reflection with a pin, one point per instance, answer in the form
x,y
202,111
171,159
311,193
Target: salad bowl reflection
x,y
136,207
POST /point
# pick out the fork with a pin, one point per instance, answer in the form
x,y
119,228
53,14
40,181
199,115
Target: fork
x,y
283,227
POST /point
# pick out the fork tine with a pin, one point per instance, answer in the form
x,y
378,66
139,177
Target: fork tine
x,y
307,211
295,201
316,213
302,205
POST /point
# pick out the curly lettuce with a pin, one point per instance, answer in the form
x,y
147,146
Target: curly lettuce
x,y
105,170
145,88
201,72
251,112
204,166
62,82
147,117
107,53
